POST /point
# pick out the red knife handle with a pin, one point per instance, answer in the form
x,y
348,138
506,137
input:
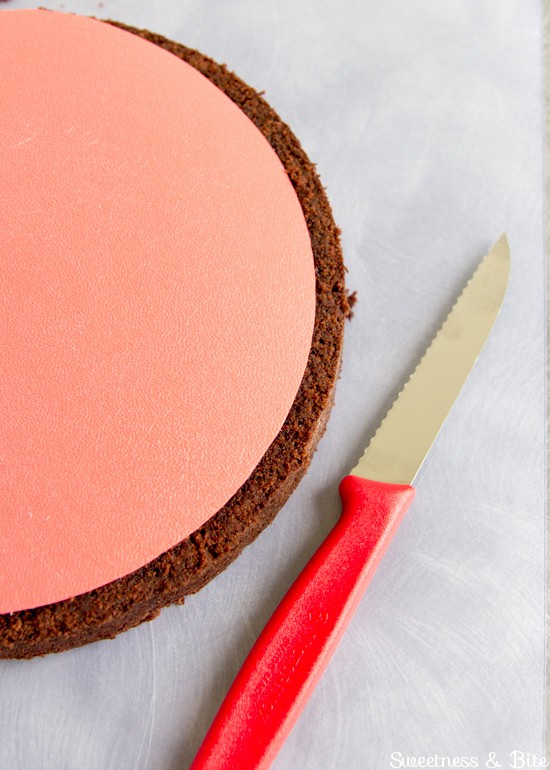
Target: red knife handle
x,y
294,648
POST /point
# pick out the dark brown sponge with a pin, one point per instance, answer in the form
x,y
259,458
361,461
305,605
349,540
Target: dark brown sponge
x,y
188,566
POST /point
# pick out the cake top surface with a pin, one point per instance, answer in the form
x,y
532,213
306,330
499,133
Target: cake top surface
x,y
157,303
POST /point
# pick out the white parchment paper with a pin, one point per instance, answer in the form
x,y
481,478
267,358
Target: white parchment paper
x,y
425,121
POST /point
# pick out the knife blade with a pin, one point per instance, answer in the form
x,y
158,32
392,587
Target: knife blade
x,y
294,648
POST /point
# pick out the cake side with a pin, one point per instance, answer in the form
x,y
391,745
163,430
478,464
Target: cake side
x,y
185,568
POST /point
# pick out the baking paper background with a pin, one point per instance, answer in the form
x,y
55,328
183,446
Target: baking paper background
x,y
425,121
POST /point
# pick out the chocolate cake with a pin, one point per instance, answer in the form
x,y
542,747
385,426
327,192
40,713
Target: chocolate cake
x,y
185,568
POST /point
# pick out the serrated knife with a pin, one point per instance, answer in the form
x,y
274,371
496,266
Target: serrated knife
x,y
294,648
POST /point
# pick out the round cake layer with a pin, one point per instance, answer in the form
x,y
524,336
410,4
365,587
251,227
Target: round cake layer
x,y
184,568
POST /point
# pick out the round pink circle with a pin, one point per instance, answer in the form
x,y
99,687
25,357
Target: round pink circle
x,y
157,299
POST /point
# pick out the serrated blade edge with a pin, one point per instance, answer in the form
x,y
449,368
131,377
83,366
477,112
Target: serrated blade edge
x,y
399,446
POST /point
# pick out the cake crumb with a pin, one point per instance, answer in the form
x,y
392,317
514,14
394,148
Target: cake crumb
x,y
352,299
